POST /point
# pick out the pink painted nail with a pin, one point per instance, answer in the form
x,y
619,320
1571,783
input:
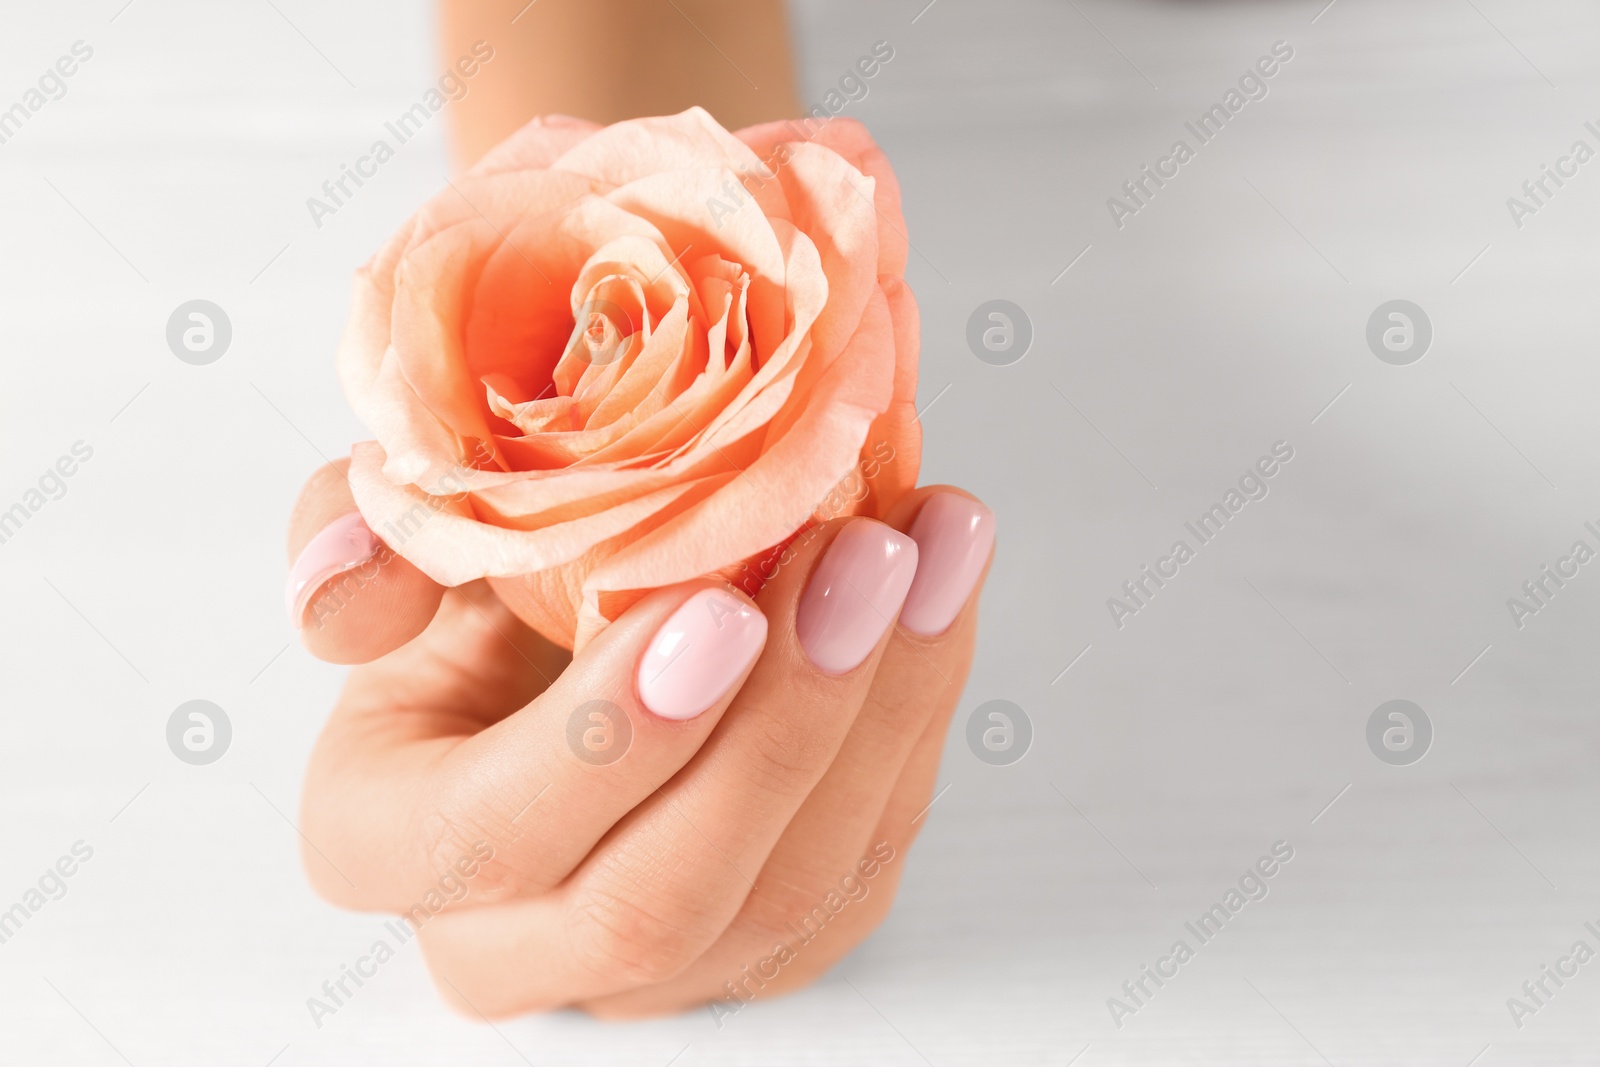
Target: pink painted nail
x,y
854,594
954,535
699,652
343,544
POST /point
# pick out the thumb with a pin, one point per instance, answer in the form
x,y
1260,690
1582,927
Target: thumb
x,y
352,598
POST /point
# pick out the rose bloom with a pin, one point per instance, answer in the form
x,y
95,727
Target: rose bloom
x,y
610,359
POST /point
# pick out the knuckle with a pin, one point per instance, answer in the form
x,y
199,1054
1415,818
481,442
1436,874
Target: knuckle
x,y
788,753
617,939
897,713
775,904
852,902
467,849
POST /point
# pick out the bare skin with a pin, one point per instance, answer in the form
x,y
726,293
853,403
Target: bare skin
x,y
639,887
608,60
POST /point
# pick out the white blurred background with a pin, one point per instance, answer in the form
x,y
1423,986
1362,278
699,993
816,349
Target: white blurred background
x,y
1228,314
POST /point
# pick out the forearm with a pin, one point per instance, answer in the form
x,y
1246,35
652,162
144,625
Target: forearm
x,y
607,60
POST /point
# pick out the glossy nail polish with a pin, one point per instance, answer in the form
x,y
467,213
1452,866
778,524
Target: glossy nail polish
x,y
954,535
699,652
342,545
854,594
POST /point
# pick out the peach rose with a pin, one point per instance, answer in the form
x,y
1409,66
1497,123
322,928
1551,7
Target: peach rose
x,y
611,359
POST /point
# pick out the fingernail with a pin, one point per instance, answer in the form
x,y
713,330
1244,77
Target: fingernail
x,y
343,544
953,535
699,652
854,594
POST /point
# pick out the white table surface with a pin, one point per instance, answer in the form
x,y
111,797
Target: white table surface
x,y
1220,319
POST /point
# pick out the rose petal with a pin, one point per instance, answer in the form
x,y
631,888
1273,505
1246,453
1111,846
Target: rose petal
x,y
536,146
774,494
851,141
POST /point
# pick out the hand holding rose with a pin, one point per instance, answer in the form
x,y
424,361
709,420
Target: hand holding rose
x,y
772,746
610,370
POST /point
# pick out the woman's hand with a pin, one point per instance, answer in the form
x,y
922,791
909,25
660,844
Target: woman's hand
x,y
711,803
